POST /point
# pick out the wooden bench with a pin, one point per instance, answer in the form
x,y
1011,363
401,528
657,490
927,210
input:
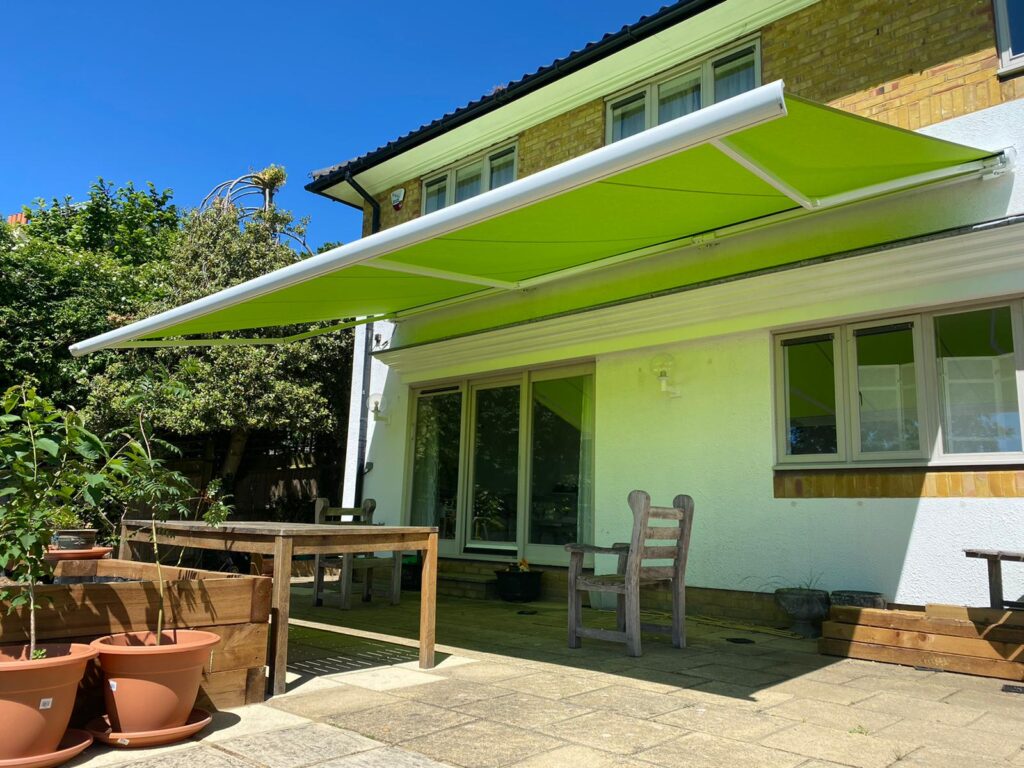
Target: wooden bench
x,y
995,559
347,564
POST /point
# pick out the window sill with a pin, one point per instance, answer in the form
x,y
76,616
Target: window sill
x,y
900,482
1011,70
943,465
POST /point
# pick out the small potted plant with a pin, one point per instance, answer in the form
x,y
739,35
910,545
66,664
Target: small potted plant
x,y
152,678
805,605
70,532
518,584
43,455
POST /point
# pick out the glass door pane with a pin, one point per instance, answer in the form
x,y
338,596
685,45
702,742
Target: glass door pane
x,y
495,463
561,460
435,465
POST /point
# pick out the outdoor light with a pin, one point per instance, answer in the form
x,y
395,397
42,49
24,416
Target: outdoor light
x,y
661,367
376,405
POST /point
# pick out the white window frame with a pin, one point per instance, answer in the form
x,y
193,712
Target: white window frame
x,y
542,554
485,158
782,401
705,65
932,451
1009,61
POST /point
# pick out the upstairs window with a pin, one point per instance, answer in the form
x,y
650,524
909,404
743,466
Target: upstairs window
x,y
1010,34
686,90
490,171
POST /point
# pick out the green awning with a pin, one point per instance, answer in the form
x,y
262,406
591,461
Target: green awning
x,y
741,162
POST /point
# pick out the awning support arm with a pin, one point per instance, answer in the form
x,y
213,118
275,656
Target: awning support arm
x,y
443,274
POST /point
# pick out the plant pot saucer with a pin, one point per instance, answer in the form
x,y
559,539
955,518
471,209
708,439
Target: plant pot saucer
x,y
100,728
96,553
74,742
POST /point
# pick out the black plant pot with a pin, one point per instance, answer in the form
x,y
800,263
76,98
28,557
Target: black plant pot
x,y
519,586
805,607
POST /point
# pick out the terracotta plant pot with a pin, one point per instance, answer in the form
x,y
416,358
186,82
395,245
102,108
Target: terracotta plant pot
x,y
149,687
805,607
36,696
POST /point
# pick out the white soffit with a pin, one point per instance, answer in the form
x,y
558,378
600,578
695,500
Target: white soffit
x,y
702,34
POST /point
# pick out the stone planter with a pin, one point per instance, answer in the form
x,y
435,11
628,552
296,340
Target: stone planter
x,y
74,538
806,608
857,598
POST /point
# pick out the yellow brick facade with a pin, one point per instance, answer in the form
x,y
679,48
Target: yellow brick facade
x,y
909,63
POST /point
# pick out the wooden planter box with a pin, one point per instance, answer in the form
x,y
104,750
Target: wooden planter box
x,y
236,607
975,641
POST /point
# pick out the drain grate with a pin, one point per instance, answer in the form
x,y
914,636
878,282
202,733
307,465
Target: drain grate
x,y
739,640
1013,689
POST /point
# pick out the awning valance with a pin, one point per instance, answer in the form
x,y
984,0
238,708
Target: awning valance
x,y
740,163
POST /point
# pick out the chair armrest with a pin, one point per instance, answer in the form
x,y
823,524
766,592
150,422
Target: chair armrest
x,y
615,549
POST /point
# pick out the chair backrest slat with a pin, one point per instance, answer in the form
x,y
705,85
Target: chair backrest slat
x,y
662,532
660,553
658,572
666,513
677,531
326,515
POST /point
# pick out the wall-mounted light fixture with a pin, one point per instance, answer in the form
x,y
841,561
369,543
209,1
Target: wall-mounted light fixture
x,y
377,407
661,367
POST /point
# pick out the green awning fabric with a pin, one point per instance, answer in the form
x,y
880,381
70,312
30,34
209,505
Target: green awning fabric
x,y
804,156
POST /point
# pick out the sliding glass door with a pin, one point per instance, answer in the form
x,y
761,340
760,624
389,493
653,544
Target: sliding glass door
x,y
505,467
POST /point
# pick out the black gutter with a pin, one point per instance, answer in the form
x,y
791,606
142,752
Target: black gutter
x,y
575,61
364,395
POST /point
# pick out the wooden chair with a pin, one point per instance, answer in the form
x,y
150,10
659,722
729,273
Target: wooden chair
x,y
672,542
347,564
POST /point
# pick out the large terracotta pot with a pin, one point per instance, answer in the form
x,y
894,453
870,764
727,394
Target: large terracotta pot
x,y
36,696
150,687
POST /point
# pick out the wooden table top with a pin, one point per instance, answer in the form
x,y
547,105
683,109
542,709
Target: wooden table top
x,y
995,554
271,529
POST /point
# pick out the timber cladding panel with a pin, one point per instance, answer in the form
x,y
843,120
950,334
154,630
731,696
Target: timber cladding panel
x,y
901,483
236,608
909,64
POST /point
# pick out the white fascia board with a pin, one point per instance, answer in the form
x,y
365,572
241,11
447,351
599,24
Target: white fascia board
x,y
736,114
676,45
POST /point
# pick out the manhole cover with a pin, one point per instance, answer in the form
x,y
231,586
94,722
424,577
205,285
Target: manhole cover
x,y
1013,689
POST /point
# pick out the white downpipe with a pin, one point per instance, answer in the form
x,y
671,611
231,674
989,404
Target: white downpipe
x,y
738,113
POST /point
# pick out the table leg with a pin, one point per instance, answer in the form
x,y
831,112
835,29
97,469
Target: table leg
x,y
279,614
428,603
995,583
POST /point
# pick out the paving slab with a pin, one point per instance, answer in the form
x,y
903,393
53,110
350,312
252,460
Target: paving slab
x,y
552,685
922,733
836,716
524,711
485,671
812,689
481,744
626,700
612,732
101,756
387,678
334,701
295,747
919,689
387,757
574,756
735,724
702,750
1009,704
920,709
732,696
451,693
192,757
258,718
399,722
729,674
860,750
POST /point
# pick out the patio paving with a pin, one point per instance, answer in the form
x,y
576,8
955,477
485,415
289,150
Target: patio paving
x,y
508,692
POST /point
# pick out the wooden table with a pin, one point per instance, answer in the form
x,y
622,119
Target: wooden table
x,y
995,560
283,541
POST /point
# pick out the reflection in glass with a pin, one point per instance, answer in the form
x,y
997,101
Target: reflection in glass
x,y
734,75
978,379
468,182
560,478
495,465
809,366
628,117
435,468
679,97
502,168
887,389
435,195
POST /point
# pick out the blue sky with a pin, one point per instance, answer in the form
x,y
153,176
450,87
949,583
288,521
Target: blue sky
x,y
190,94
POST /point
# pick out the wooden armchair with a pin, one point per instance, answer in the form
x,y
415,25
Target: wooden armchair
x,y
347,564
672,542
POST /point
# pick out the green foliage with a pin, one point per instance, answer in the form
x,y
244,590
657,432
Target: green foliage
x,y
75,271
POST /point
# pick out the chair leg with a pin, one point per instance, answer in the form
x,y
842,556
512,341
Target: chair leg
x,y
345,582
396,578
575,600
318,581
633,643
368,585
620,613
678,613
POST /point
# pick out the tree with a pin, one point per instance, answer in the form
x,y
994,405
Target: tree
x,y
76,270
298,390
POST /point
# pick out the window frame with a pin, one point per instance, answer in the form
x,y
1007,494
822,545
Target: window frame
x,y
449,173
932,451
705,65
1009,62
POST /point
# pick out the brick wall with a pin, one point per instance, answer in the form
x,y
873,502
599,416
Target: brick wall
x,y
910,63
